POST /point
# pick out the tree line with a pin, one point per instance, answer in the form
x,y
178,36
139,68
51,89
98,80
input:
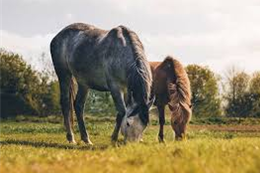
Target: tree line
x,y
25,91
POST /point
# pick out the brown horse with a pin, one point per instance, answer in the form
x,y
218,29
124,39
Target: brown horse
x,y
171,86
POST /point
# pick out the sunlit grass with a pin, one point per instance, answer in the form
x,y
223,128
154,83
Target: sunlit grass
x,y
41,147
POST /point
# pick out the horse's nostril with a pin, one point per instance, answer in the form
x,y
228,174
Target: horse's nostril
x,y
128,124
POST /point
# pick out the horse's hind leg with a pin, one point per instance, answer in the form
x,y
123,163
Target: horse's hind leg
x,y
79,104
161,122
65,98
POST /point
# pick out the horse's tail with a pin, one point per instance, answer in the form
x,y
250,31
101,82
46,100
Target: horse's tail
x,y
72,94
139,72
180,91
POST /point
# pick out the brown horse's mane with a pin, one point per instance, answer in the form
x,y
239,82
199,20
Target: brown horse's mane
x,y
179,92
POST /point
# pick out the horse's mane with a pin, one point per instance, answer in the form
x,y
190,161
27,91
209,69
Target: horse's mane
x,y
179,91
139,72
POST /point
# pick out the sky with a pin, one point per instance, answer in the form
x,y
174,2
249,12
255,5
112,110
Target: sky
x,y
216,33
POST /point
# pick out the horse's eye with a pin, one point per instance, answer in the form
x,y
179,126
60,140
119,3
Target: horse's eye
x,y
128,124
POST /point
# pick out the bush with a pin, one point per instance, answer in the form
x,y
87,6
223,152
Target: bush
x,y
24,90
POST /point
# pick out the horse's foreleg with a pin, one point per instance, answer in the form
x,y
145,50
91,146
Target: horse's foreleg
x,y
118,99
161,122
65,105
79,105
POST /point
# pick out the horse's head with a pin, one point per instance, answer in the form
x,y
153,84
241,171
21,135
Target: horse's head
x,y
179,120
135,122
132,128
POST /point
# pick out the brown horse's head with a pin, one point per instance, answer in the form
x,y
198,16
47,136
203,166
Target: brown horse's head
x,y
180,111
179,120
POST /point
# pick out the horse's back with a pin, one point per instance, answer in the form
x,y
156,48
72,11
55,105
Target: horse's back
x,y
97,57
75,34
154,64
90,54
161,75
73,43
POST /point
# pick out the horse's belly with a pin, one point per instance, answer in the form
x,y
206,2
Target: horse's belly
x,y
98,87
93,81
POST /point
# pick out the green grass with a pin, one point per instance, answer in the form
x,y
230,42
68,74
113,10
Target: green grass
x,y
41,147
154,120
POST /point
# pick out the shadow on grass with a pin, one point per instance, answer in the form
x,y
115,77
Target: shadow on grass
x,y
53,145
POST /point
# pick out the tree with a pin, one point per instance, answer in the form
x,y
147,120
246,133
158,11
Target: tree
x,y
242,94
47,67
205,91
51,95
237,85
51,99
254,90
24,90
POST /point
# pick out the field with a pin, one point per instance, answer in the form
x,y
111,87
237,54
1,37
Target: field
x,y
40,146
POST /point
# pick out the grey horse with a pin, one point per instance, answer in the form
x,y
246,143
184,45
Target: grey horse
x,y
103,60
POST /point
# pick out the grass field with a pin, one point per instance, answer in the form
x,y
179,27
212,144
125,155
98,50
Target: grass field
x,y
28,146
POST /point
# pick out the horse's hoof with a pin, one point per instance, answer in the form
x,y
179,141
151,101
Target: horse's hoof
x,y
181,139
88,142
114,138
114,143
73,142
161,140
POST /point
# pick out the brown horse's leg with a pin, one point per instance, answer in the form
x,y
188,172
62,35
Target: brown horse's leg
x,y
161,122
65,98
79,105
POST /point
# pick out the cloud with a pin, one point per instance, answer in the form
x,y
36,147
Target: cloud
x,y
69,17
215,33
30,48
219,50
